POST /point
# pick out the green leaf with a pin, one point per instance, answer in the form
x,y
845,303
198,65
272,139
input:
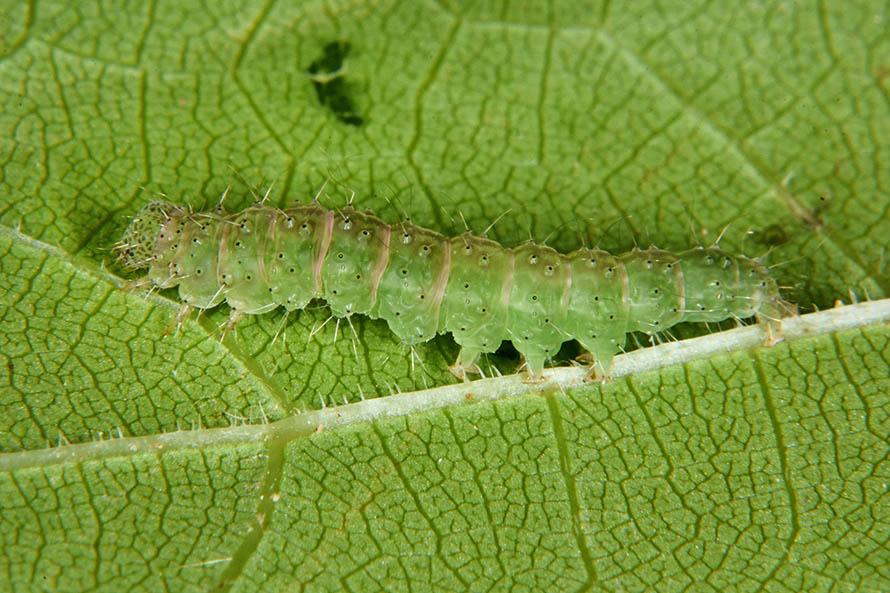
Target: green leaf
x,y
140,452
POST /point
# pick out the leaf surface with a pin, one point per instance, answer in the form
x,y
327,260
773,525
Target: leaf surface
x,y
141,453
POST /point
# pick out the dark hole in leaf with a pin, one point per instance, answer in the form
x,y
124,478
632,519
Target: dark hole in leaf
x,y
329,80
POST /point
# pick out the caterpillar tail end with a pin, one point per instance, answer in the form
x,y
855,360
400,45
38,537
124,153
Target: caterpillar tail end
x,y
136,248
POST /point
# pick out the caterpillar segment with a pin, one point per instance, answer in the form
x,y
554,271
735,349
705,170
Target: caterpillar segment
x,y
423,284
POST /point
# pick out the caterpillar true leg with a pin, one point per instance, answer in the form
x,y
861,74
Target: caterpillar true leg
x,y
234,317
180,316
280,329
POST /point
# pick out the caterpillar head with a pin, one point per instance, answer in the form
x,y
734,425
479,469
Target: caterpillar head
x,y
135,249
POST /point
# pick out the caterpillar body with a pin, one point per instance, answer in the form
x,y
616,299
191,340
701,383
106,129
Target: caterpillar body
x,y
423,283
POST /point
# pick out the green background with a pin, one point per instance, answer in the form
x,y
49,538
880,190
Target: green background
x,y
587,123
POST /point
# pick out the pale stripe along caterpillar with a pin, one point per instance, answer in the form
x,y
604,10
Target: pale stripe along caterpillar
x,y
423,283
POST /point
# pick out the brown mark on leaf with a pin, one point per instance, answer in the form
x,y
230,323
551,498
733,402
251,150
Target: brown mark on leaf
x,y
772,236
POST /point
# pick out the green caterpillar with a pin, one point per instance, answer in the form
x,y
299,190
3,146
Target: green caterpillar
x,y
423,283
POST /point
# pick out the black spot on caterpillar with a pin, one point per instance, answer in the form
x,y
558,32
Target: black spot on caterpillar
x,y
423,283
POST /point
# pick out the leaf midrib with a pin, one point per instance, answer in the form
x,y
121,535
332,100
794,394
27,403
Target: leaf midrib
x,y
845,318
